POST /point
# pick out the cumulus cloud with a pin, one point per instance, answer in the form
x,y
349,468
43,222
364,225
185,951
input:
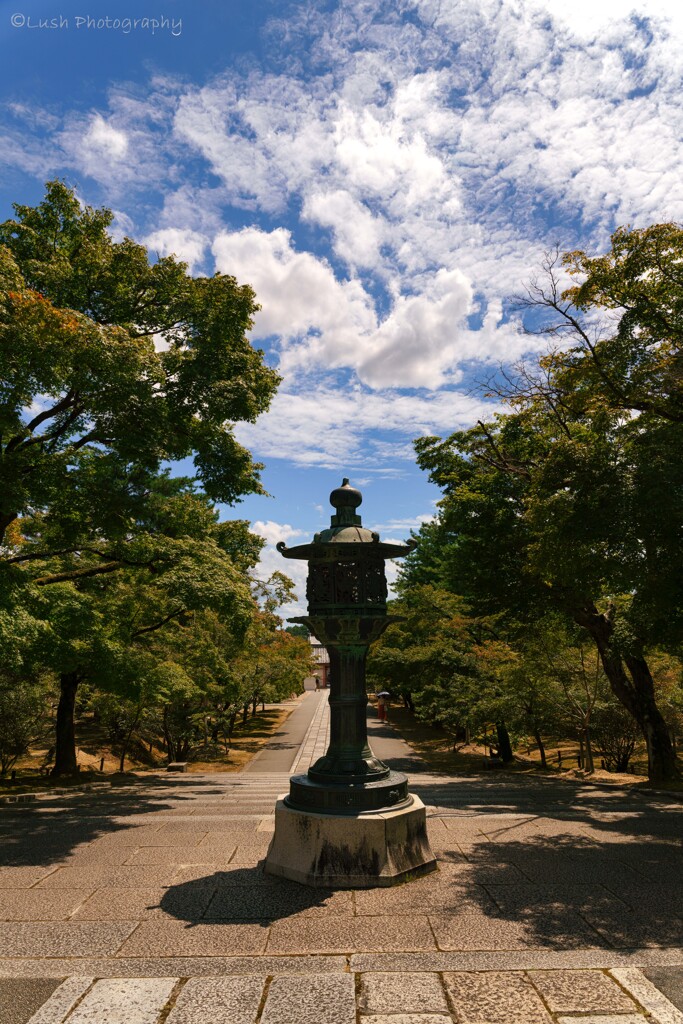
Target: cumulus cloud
x,y
273,532
105,141
330,324
189,246
272,561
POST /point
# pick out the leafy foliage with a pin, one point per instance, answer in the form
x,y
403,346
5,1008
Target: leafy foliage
x,y
572,501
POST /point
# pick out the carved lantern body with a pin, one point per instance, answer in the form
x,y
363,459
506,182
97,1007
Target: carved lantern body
x,y
347,611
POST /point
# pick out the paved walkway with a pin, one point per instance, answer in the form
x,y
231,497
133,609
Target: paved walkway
x,y
554,902
284,748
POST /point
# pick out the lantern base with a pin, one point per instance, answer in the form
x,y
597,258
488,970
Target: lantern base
x,y
316,794
363,851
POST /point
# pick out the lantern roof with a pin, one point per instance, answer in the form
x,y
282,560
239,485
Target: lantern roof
x,y
346,534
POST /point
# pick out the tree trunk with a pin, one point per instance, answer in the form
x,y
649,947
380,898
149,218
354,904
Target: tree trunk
x,y
6,519
126,742
541,748
254,705
637,694
590,767
65,735
504,745
245,714
167,737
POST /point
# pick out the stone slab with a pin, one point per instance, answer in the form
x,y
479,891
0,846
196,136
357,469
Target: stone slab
x,y
559,867
479,931
631,928
154,855
228,840
656,1002
432,894
97,854
129,836
40,904
22,877
628,1018
161,967
514,960
93,877
670,982
493,998
204,1000
408,992
62,1000
483,872
64,938
124,1001
347,935
407,1018
518,899
326,999
248,903
21,997
173,938
581,992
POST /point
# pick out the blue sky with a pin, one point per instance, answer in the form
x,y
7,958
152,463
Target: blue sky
x,y
385,175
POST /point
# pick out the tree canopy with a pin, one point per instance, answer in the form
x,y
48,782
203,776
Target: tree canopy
x,y
572,500
112,366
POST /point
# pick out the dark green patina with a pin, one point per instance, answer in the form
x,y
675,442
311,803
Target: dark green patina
x,y
347,611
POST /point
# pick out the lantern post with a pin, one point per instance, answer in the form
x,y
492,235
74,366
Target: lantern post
x,y
350,821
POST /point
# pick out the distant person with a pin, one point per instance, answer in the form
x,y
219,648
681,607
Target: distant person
x,y
382,708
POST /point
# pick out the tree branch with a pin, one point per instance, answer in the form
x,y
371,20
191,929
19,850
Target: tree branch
x,y
47,414
158,625
78,574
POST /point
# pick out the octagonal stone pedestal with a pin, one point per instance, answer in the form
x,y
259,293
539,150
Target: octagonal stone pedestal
x,y
359,851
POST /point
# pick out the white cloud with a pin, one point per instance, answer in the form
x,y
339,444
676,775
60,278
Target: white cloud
x,y
326,323
327,427
299,294
588,20
272,561
425,161
105,141
189,246
358,235
396,527
274,532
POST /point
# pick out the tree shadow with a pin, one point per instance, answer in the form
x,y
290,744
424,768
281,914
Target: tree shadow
x,y
47,831
563,869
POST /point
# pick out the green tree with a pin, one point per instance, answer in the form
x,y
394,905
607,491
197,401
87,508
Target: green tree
x,y
444,663
110,366
23,714
114,629
573,501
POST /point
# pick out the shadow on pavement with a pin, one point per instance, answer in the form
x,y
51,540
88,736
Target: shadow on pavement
x,y
571,869
243,894
45,832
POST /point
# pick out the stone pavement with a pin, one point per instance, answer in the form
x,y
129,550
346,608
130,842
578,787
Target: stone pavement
x,y
147,904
